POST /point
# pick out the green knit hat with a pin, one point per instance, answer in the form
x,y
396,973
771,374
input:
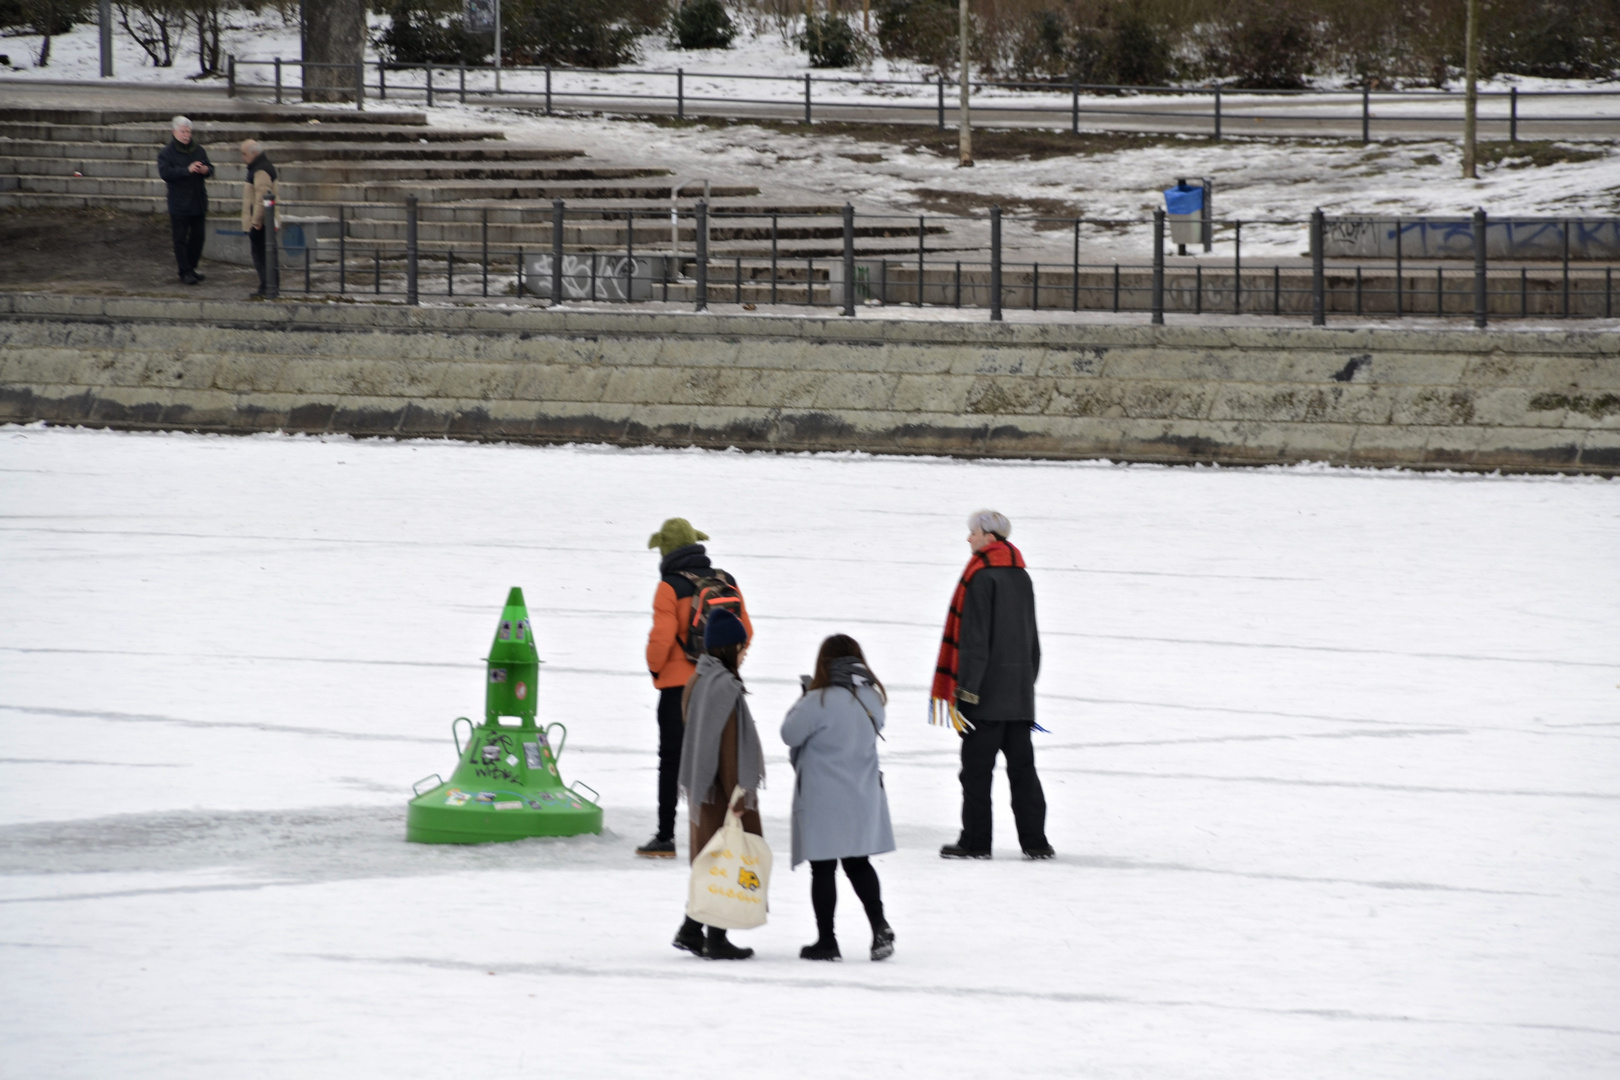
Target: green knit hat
x,y
675,533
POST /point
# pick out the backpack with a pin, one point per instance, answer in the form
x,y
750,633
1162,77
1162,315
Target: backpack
x,y
709,593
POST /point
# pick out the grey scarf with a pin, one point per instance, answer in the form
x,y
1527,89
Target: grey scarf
x,y
715,693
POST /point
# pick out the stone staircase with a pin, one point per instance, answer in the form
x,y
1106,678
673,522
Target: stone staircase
x,y
347,176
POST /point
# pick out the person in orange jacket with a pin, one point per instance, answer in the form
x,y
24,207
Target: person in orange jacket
x,y
684,573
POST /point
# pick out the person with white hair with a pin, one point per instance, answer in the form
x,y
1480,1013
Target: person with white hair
x,y
984,687
184,166
259,185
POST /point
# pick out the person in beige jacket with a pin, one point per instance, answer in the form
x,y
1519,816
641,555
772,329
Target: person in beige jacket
x,y
260,184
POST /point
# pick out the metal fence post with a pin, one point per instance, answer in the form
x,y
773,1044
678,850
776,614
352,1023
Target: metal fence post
x,y
1480,298
1217,114
230,75
429,85
1318,278
1566,269
484,254
1366,115
1513,114
410,249
463,75
548,89
359,86
1400,273
1074,109
278,80
382,81
272,252
1158,266
939,86
702,244
556,251
922,232
995,264
343,249
1237,267
680,92
849,260
807,119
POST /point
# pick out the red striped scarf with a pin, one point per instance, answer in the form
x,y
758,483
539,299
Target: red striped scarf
x,y
942,700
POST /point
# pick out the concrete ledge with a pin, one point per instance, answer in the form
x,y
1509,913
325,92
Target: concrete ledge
x,y
1518,400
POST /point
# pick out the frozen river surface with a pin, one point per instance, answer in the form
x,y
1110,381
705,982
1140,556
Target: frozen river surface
x,y
1334,768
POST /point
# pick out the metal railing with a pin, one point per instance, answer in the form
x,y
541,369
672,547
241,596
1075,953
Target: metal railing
x,y
1043,104
639,262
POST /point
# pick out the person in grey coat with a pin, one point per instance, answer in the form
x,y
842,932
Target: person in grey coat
x,y
840,810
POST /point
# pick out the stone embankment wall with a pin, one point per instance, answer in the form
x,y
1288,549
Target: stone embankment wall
x,y
1517,400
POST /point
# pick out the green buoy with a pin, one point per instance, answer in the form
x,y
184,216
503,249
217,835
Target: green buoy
x,y
506,785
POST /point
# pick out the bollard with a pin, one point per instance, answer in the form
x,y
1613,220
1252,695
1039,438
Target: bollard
x,y
272,252
1158,267
849,260
995,264
1480,299
410,249
702,245
557,213
1318,299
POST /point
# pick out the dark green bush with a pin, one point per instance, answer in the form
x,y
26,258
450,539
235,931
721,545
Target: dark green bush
x,y
1109,43
920,30
577,33
831,42
419,33
701,24
1269,44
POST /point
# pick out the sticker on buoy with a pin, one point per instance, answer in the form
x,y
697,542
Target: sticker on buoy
x,y
511,759
522,691
497,674
486,796
576,806
552,769
531,755
511,804
455,798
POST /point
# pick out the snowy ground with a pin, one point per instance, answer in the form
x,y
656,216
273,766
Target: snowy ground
x,y
1332,768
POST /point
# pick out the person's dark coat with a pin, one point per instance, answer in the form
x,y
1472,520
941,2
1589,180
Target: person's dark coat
x,y
188,191
999,647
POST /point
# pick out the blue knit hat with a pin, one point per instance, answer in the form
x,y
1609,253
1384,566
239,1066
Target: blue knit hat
x,y
723,628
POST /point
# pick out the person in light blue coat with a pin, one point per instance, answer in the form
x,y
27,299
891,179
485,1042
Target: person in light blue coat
x,y
840,810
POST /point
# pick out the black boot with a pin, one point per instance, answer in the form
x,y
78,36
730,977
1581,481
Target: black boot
x,y
882,942
717,947
690,937
958,851
824,949
657,848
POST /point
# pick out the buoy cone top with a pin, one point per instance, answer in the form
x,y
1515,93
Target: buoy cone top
x,y
514,664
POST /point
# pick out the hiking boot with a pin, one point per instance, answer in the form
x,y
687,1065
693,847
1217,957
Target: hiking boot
x,y
657,849
957,851
188,278
690,937
717,947
821,950
1044,851
883,942
196,278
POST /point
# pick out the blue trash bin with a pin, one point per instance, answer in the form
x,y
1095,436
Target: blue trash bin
x,y
1184,206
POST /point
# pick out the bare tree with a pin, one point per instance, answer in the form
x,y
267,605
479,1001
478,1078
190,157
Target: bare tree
x,y
155,25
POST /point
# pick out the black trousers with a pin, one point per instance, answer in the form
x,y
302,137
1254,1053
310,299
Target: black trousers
x,y
671,729
979,749
256,242
188,239
824,892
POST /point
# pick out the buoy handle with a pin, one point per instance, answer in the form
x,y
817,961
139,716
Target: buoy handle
x,y
556,751
455,733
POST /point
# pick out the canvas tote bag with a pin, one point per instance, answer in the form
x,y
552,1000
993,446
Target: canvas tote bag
x,y
731,876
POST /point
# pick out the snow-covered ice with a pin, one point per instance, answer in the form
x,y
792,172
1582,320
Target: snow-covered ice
x,y
1332,768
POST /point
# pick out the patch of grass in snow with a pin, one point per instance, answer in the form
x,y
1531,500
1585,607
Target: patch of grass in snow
x,y
1526,155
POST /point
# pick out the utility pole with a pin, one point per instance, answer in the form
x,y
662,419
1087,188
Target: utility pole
x,y
1471,103
964,128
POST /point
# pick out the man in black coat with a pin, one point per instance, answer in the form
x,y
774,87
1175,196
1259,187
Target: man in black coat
x,y
185,169
999,658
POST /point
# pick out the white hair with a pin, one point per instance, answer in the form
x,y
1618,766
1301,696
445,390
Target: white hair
x,y
180,122
990,521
